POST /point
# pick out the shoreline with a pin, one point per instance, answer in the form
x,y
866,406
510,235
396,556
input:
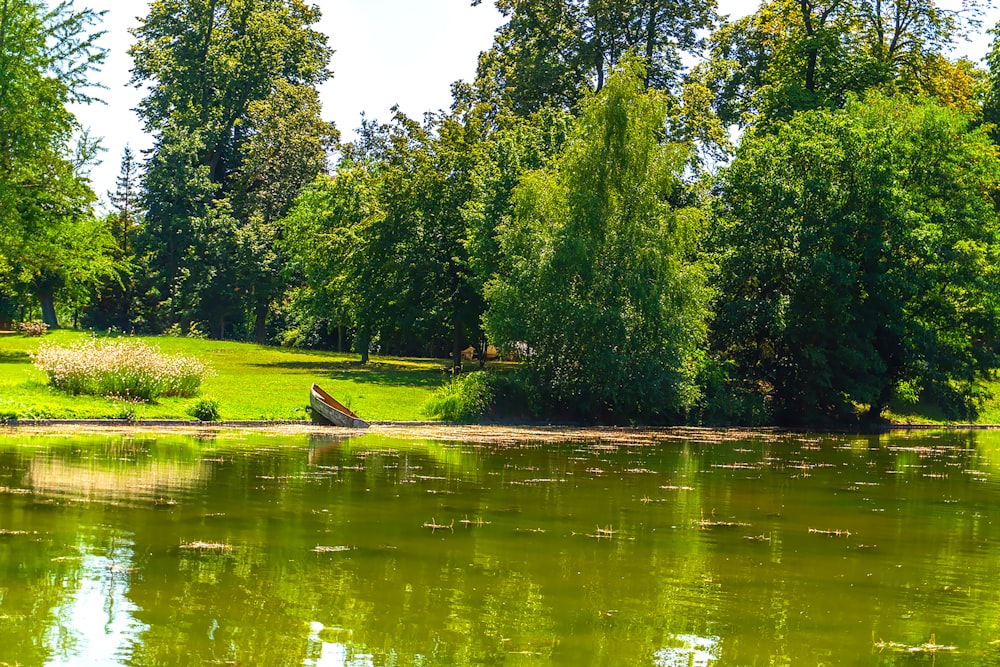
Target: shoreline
x,y
442,431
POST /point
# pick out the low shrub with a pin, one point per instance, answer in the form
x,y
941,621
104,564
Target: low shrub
x,y
728,402
476,396
465,399
32,328
122,368
205,410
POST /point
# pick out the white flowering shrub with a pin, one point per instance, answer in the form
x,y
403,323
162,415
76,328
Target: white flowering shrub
x,y
122,368
32,328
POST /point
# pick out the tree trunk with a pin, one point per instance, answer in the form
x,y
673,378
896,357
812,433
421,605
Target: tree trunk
x,y
260,324
813,55
650,44
218,328
456,350
484,345
363,342
48,310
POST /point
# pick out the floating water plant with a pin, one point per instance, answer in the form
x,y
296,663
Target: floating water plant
x,y
212,547
434,525
830,533
930,647
332,550
478,521
706,525
603,533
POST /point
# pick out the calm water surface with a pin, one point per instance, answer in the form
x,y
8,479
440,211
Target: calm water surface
x,y
692,551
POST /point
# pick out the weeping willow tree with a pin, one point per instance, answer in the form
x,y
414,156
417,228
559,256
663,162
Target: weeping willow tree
x,y
601,289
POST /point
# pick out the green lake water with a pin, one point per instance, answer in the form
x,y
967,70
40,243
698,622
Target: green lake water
x,y
693,550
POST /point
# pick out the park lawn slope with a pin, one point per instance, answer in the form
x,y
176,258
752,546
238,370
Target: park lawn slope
x,y
250,382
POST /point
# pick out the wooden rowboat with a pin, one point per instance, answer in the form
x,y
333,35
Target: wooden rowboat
x,y
328,409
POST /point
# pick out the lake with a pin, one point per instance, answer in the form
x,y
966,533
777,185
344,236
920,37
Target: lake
x,y
486,547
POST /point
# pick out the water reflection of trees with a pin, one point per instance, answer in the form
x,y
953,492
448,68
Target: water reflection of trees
x,y
538,581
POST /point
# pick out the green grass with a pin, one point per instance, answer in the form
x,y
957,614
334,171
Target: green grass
x,y
248,381
925,412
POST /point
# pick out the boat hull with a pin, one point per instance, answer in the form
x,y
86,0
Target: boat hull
x,y
328,409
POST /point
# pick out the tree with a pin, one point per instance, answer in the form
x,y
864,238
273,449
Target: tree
x,y
517,146
286,149
599,285
794,55
323,245
48,238
221,73
551,53
411,269
113,303
859,259
125,200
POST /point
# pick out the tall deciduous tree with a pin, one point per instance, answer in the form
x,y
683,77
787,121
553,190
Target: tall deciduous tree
x,y
221,74
48,237
600,287
411,270
550,53
860,259
286,148
794,55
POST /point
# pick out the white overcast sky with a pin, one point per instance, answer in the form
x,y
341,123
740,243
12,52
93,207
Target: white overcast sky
x,y
405,52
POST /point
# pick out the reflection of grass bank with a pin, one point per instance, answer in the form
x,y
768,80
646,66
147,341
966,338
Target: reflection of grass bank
x,y
248,381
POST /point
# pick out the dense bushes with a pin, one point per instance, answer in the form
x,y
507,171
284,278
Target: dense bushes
x,y
485,396
127,369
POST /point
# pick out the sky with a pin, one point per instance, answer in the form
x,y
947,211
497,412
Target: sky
x,y
388,52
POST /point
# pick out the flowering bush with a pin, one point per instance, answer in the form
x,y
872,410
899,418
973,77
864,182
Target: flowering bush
x,y
127,369
32,328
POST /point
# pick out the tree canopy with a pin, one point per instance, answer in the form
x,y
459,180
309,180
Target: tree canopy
x,y
600,286
233,107
859,255
49,241
663,214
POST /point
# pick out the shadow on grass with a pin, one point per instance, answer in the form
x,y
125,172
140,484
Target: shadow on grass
x,y
14,358
354,371
923,411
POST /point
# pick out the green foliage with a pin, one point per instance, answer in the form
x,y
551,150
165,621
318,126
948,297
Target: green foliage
x,y
726,400
795,55
859,258
599,283
205,409
485,395
382,244
50,244
234,110
553,53
465,399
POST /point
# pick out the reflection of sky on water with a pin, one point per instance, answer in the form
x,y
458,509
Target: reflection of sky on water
x,y
692,651
333,654
96,626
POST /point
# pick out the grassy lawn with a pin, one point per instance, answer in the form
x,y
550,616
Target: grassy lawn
x,y
248,381
929,413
